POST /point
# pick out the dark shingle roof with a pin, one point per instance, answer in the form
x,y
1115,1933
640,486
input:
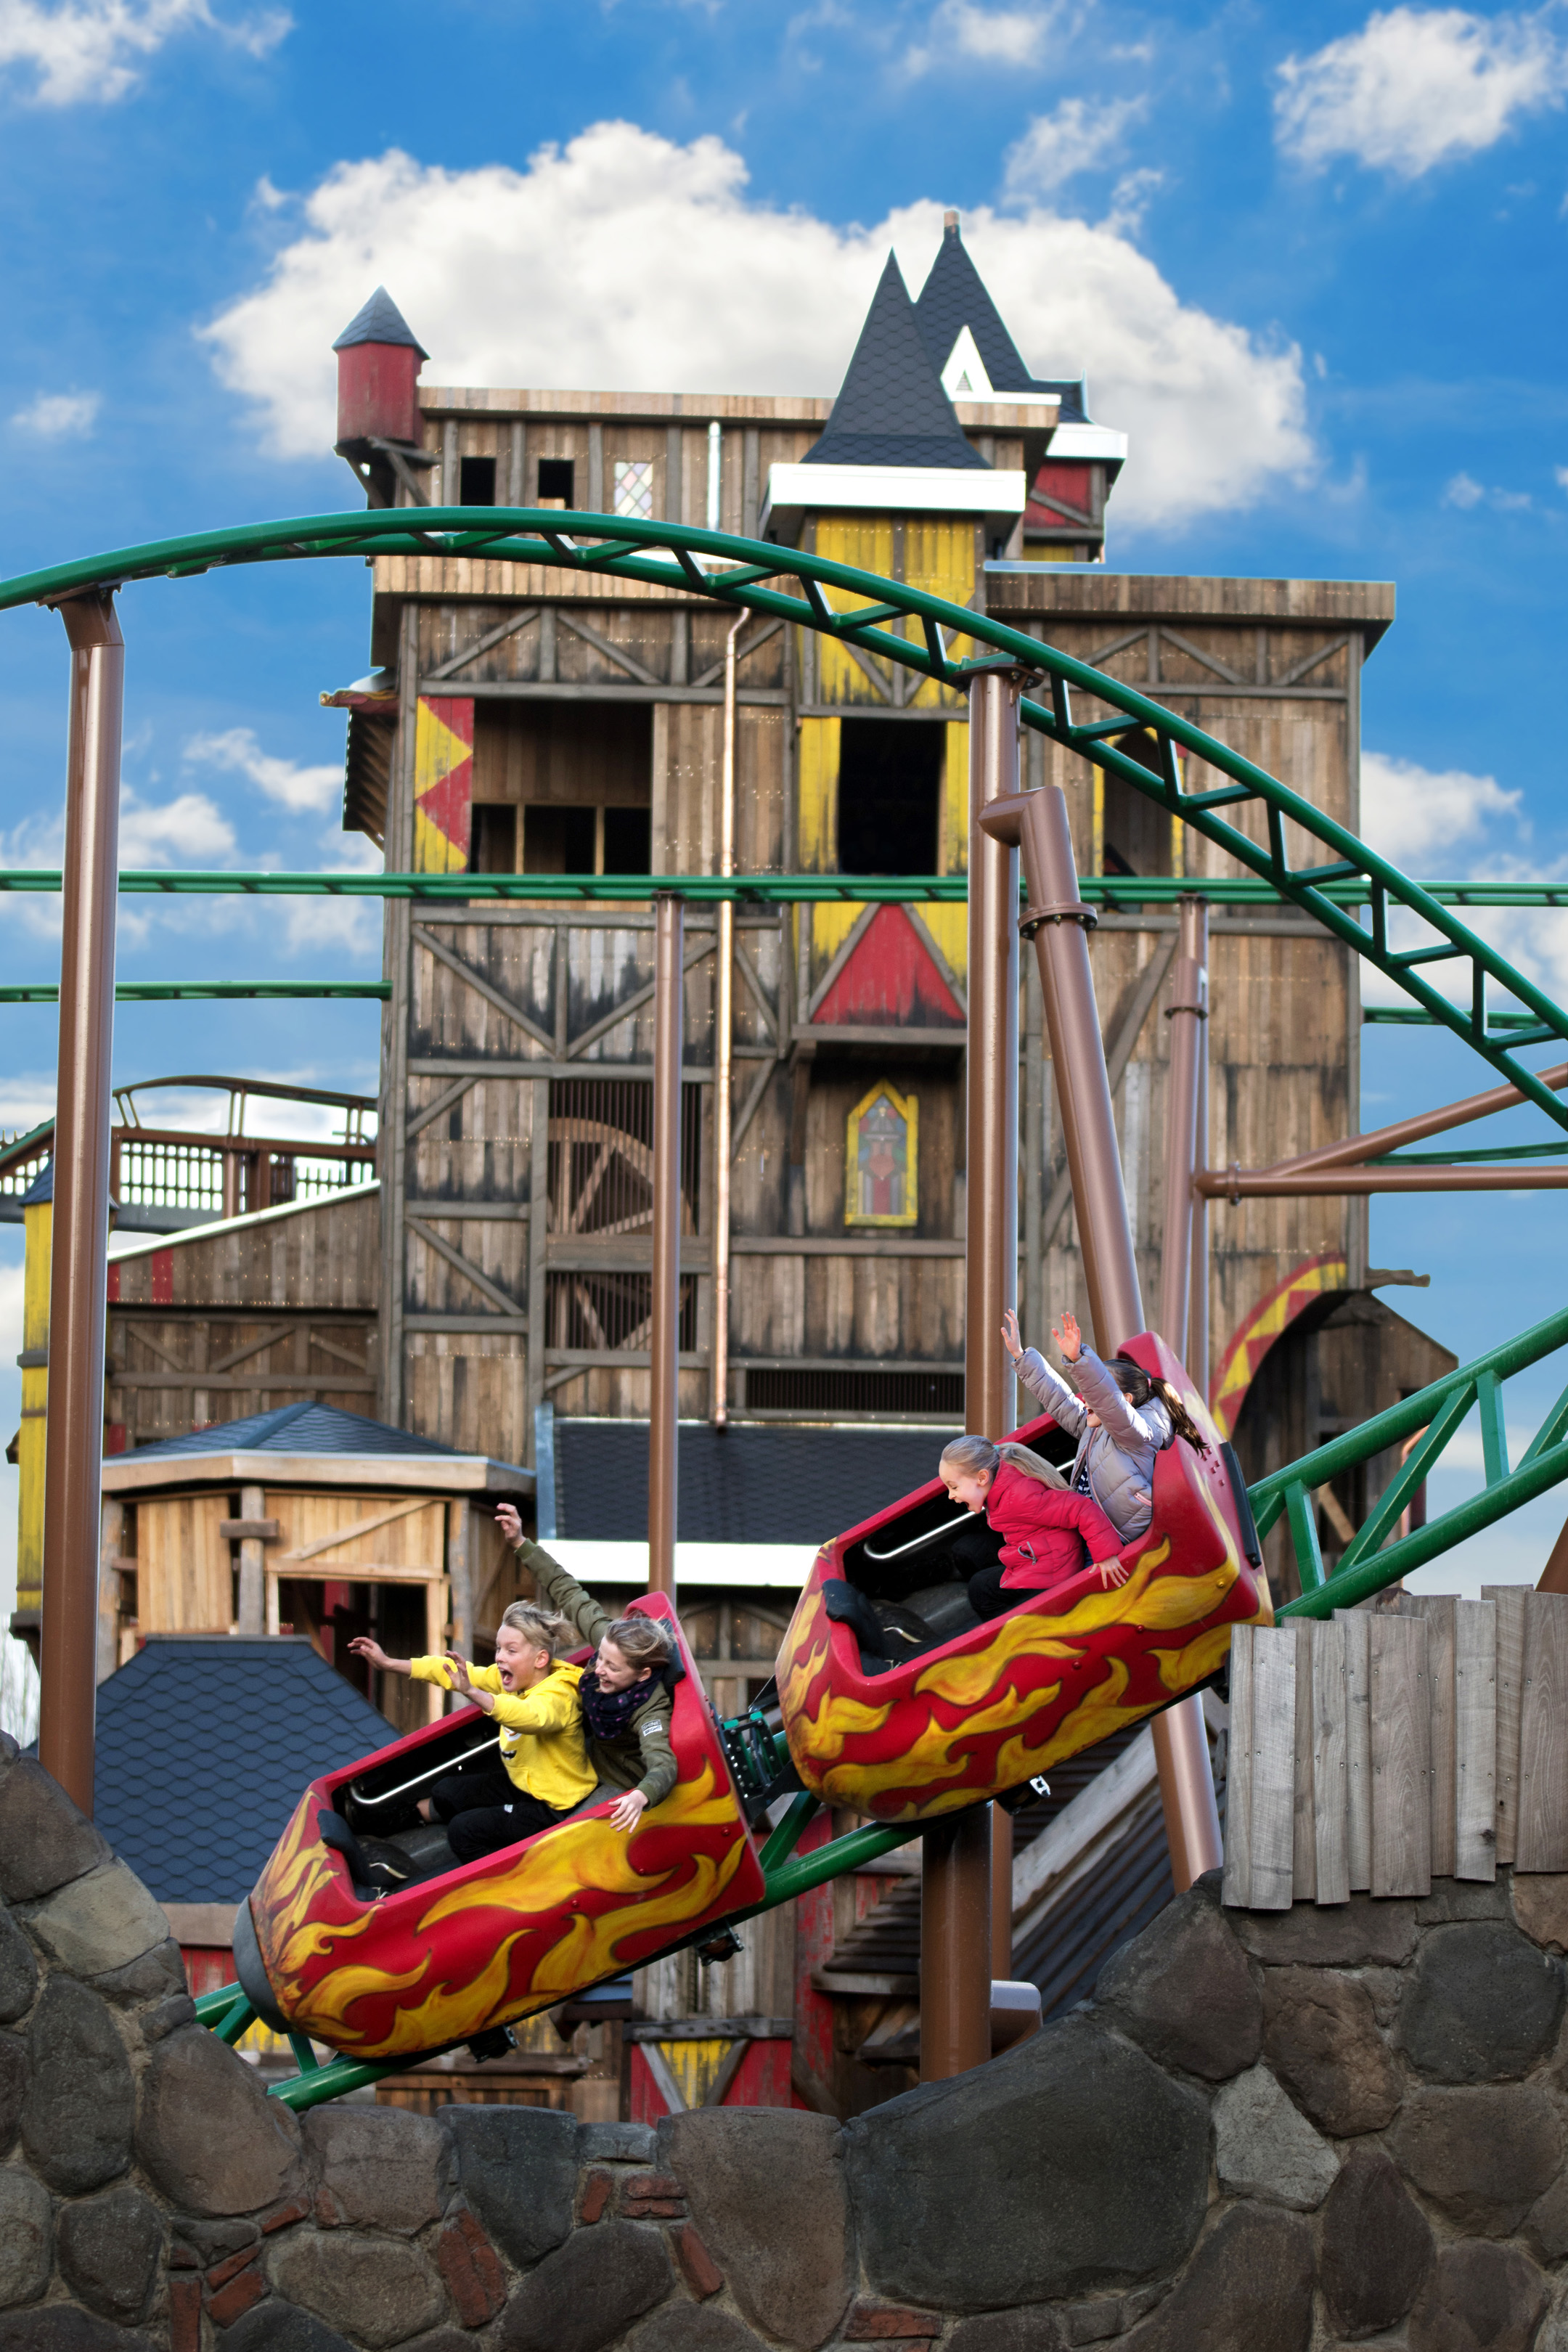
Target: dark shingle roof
x,y
737,1486
954,297
891,409
381,321
204,1747
297,1429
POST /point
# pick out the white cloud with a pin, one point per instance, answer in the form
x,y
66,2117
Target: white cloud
x,y
185,831
990,37
238,751
625,261
1415,815
1416,87
1078,136
91,49
1463,492
27,1100
55,415
1561,474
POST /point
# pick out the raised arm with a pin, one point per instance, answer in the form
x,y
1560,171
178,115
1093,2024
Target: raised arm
x,y
1127,1428
558,1588
1047,1386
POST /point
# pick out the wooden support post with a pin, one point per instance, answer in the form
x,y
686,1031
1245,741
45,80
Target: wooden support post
x,y
110,1550
73,1454
664,1333
459,1575
252,1613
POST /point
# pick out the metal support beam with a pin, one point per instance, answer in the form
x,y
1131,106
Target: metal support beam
x,y
1058,922
664,1334
1187,1014
955,1944
73,1456
723,1055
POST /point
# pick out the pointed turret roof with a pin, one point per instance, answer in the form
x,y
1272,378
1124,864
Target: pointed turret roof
x,y
954,297
891,409
381,321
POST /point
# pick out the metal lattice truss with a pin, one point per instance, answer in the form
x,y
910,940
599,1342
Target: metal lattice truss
x,y
916,632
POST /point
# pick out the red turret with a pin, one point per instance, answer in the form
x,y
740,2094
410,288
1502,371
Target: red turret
x,y
378,396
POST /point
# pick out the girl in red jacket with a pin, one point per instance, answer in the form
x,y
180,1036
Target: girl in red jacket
x,y
1046,1530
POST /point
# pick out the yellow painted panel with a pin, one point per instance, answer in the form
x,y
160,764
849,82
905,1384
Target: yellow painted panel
x,y
949,926
953,838
819,741
433,852
867,543
38,1227
939,559
695,2066
830,927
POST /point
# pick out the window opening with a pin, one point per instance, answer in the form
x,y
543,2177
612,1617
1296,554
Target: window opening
x,y
557,840
555,475
492,847
889,795
477,482
634,487
628,841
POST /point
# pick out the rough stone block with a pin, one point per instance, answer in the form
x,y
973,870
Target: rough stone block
x,y
617,2143
207,2132
380,2166
1264,2146
1183,1990
471,2268
1484,2155
157,1975
24,2236
1541,1906
1483,2005
13,2086
19,1971
1034,2330
440,2339
165,2017
1385,1988
66,2327
383,2289
688,2327
767,2192
1377,2246
1478,2298
1464,1898
1095,2321
890,2323
273,2327
1250,2282
1359,1934
45,1839
1320,2036
102,1920
1547,2224
208,2241
109,2249
76,2116
1069,2164
518,2169
589,2290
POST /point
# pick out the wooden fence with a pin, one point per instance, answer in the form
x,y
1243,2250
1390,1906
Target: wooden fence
x,y
1419,1738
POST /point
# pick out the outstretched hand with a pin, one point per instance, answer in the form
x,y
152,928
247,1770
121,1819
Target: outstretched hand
x,y
461,1686
1112,1572
507,1521
363,1647
1011,1338
1067,1337
629,1811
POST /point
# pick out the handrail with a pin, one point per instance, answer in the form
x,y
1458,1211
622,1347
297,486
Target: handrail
x,y
619,546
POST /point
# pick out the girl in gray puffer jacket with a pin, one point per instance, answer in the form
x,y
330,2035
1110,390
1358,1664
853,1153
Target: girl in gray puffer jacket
x,y
1121,1417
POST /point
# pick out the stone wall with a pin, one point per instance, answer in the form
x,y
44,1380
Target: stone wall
x,y
1274,2133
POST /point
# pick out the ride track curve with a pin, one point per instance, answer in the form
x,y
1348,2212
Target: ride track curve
x,y
1349,876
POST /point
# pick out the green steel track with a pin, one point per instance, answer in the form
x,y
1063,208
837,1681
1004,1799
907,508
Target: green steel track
x,y
1318,867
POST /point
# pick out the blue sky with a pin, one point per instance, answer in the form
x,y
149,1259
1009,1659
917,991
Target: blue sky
x,y
1310,258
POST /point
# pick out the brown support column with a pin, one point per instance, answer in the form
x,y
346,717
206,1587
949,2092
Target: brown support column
x,y
956,1855
1001,1892
1060,924
724,1052
664,1336
73,1456
1187,1014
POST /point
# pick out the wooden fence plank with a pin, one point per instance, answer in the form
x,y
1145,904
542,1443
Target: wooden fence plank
x,y
1358,1747
1542,1837
1273,1766
1236,1889
1437,1609
1401,1756
1303,1836
1474,1739
1330,1806
1510,1599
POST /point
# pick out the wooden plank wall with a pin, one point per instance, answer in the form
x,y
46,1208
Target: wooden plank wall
x,y
1382,1747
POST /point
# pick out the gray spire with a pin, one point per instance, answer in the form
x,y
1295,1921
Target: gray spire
x,y
891,409
381,321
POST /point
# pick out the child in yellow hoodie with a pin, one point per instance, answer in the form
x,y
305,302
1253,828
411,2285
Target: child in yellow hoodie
x,y
543,1770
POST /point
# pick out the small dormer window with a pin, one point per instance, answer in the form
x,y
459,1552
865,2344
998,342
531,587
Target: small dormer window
x,y
477,482
634,487
555,484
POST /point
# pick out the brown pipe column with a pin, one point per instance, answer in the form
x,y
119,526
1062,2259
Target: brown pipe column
x,y
1187,1013
1060,924
664,1335
73,1457
724,1055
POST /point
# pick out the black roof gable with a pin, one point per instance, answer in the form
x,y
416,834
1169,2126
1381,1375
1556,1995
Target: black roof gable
x,y
306,1428
954,297
891,409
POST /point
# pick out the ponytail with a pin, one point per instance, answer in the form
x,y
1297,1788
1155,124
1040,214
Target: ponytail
x,y
977,1458
1138,1386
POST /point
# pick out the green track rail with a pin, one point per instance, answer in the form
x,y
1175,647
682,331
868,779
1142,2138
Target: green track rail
x,y
915,631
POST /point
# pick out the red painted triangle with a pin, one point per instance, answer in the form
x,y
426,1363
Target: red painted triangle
x,y
447,802
890,981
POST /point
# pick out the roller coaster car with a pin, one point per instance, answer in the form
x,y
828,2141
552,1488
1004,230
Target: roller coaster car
x,y
962,1710
350,1939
